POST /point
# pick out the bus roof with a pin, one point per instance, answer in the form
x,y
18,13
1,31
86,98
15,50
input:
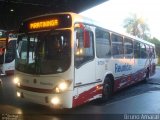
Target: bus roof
x,y
81,18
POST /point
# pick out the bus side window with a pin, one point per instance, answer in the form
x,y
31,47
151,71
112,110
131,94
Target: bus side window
x,y
143,50
136,49
152,52
83,54
103,44
148,51
117,46
128,48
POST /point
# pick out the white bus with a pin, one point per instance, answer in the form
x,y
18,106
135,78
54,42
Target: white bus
x,y
65,60
8,52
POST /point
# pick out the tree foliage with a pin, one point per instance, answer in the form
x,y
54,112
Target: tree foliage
x,y
136,26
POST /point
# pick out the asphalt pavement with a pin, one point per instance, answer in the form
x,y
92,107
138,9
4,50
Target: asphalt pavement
x,y
155,81
142,106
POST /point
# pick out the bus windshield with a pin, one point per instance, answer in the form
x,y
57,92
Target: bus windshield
x,y
44,52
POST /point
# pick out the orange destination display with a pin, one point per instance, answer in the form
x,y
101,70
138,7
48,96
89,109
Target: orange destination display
x,y
48,22
44,24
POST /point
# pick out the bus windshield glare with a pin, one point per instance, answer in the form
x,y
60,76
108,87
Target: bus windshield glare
x,y
44,52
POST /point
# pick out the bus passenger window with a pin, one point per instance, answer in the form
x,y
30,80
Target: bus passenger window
x,y
82,54
136,49
117,46
103,45
128,48
148,51
152,52
143,50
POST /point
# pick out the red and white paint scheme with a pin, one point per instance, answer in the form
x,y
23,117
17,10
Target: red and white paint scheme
x,y
65,60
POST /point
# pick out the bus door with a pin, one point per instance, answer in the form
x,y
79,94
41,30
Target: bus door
x,y
84,60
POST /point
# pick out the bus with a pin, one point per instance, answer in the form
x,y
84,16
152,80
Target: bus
x,y
65,60
2,45
7,52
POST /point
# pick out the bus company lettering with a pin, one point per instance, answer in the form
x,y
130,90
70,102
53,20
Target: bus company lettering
x,y
122,68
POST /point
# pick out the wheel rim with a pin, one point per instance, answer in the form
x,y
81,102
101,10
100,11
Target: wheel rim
x,y
106,90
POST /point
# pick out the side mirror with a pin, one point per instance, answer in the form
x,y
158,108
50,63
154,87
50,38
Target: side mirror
x,y
86,42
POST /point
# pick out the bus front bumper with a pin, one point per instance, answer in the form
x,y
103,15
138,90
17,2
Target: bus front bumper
x,y
62,100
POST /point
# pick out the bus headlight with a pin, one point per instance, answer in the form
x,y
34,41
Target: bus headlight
x,y
18,84
16,80
18,94
63,86
55,101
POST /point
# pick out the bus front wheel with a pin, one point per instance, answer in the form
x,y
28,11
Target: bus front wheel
x,y
107,89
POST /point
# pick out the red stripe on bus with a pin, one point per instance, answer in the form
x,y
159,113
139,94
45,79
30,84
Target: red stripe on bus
x,y
86,96
130,79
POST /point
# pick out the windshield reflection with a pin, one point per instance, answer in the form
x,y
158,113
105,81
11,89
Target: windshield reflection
x,y
44,53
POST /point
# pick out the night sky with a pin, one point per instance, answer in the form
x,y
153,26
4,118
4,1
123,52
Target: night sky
x,y
12,12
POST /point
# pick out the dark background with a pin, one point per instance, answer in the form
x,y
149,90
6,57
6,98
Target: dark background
x,y
22,9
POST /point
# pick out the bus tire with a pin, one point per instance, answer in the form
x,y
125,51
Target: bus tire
x,y
107,89
147,75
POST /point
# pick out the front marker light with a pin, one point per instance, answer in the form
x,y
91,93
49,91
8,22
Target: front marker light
x,y
63,86
57,90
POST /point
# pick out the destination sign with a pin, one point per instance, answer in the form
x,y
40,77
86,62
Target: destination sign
x,y
44,24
